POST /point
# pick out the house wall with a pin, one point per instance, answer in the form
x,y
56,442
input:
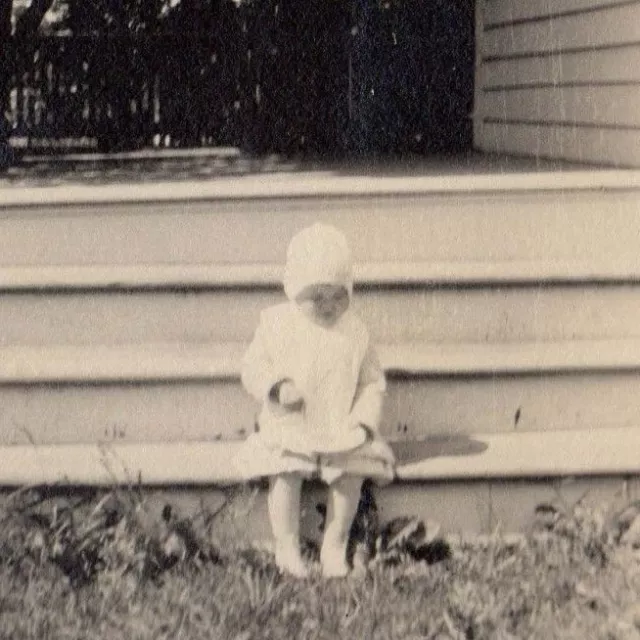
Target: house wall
x,y
559,79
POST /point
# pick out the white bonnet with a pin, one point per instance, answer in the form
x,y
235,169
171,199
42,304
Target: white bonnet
x,y
318,254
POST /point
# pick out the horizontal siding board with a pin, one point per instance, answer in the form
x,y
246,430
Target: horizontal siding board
x,y
585,67
617,26
615,106
506,11
599,146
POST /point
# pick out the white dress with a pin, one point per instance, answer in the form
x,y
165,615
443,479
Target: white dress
x,y
342,384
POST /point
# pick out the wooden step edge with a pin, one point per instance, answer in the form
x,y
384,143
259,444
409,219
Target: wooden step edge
x,y
316,184
269,276
224,153
581,452
611,451
94,364
518,358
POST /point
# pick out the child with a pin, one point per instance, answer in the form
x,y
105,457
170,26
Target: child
x,y
321,387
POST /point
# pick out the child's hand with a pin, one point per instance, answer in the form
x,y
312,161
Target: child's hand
x,y
382,450
289,397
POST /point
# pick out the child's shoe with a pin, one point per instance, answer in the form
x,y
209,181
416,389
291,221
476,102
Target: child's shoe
x,y
334,562
289,560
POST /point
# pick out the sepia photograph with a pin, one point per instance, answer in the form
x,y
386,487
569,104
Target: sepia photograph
x,y
319,319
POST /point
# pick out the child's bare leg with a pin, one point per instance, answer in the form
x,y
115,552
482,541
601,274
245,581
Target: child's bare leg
x,y
284,514
344,495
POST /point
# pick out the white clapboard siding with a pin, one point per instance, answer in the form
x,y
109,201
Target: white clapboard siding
x,y
616,26
500,12
596,67
609,106
569,68
582,144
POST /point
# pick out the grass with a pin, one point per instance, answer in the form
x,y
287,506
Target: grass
x,y
104,566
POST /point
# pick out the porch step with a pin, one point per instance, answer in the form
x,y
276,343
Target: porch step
x,y
462,302
495,226
211,362
504,307
456,178
479,485
560,453
243,276
174,393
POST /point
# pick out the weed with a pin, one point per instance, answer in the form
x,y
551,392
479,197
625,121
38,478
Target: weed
x,y
106,564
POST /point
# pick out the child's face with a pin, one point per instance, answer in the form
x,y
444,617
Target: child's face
x,y
324,304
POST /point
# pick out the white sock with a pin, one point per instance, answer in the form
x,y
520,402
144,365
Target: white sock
x,y
344,495
284,514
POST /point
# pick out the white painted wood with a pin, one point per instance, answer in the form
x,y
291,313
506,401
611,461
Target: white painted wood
x,y
497,311
212,362
227,277
559,453
316,185
151,276
617,26
120,363
154,411
125,412
457,508
136,395
591,105
560,223
515,358
615,147
513,501
473,512
495,403
505,11
583,452
597,67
